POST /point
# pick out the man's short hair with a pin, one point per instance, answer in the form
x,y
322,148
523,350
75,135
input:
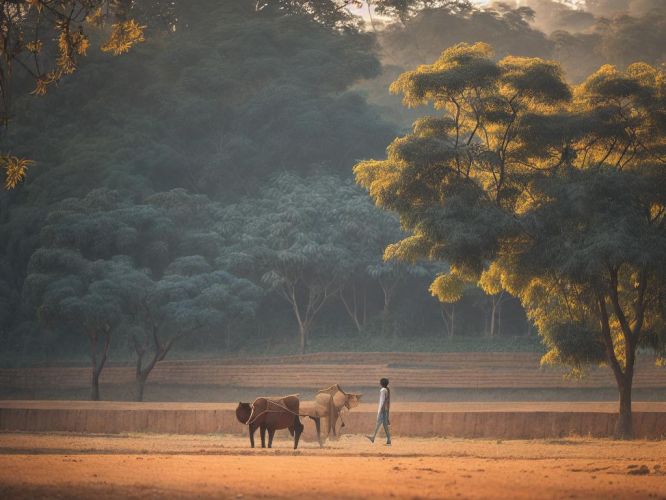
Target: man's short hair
x,y
384,382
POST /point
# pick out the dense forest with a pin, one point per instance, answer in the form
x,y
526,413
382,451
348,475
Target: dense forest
x,y
196,194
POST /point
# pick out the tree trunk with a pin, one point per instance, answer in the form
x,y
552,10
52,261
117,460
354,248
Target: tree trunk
x,y
365,305
453,321
449,319
139,383
314,302
495,314
140,386
97,367
227,337
160,350
492,319
352,308
94,381
303,334
386,311
624,425
94,389
623,378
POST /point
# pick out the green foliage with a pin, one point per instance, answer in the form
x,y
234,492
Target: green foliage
x,y
106,262
214,106
573,345
329,13
304,240
220,98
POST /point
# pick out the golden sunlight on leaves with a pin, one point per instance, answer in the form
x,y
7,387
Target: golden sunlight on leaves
x,y
70,43
407,250
34,46
378,177
618,342
37,4
491,279
15,169
424,84
448,288
41,87
123,36
42,83
657,211
96,17
80,43
554,358
551,357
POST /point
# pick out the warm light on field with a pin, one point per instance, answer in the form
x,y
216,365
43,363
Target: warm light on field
x,y
220,465
322,249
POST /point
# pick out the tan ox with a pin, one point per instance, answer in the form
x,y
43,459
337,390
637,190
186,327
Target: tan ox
x,y
329,405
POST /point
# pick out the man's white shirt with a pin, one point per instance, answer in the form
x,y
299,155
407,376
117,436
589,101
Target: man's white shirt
x,y
383,393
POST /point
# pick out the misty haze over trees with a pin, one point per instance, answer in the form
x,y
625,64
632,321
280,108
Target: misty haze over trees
x,y
196,193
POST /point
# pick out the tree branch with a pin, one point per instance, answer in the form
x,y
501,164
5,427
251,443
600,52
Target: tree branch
x,y
608,340
617,307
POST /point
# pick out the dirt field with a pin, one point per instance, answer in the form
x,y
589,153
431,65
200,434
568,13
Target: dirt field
x,y
159,466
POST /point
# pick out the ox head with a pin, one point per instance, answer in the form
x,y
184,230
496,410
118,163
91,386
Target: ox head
x,y
353,400
341,398
243,412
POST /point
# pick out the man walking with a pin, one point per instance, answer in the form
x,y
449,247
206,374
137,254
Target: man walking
x,y
383,412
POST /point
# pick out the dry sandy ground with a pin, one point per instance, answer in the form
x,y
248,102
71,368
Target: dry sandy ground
x,y
167,466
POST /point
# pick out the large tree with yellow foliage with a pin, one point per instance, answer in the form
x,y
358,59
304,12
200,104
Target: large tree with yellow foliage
x,y
553,193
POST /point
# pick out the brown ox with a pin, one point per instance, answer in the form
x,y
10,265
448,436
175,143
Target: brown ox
x,y
271,414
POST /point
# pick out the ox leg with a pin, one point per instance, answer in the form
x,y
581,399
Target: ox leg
x,y
298,430
271,433
251,428
262,431
317,422
318,426
332,418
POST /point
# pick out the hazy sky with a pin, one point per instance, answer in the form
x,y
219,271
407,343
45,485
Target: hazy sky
x,y
573,3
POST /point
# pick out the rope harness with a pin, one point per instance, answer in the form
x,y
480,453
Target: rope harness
x,y
282,408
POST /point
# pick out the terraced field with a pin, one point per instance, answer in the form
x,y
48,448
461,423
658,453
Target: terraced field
x,y
406,370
